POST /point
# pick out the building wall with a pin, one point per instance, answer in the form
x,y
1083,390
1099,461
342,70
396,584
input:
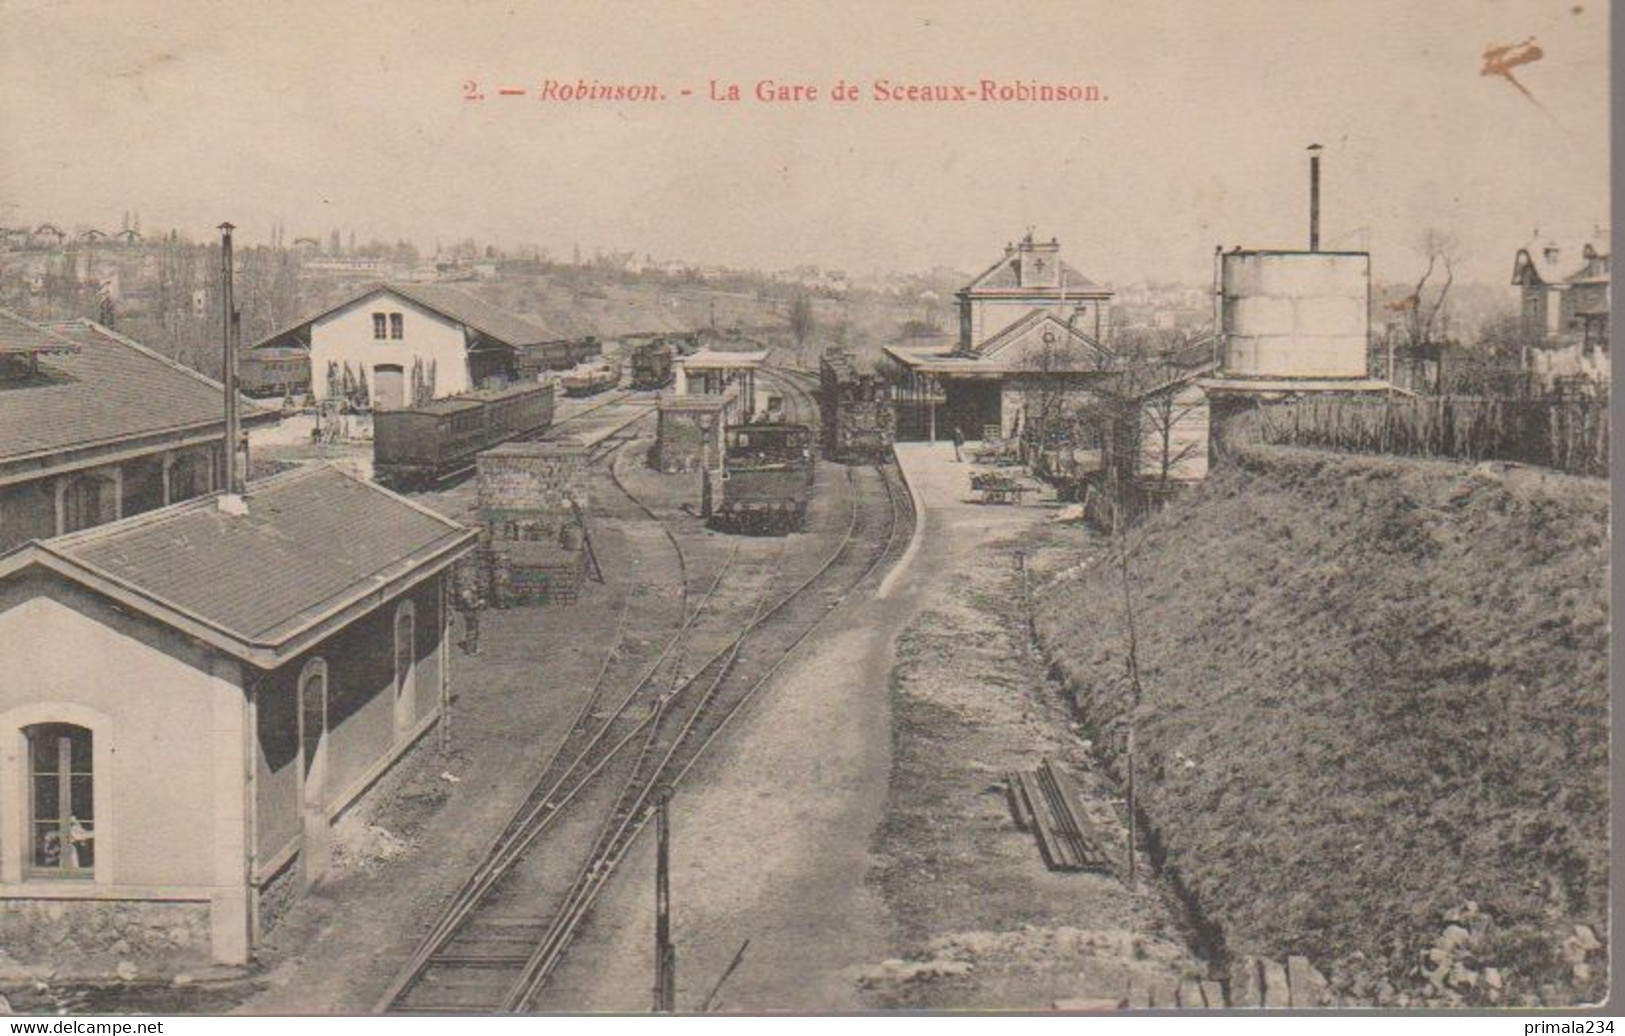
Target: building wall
x,y
168,728
29,510
986,317
346,336
367,728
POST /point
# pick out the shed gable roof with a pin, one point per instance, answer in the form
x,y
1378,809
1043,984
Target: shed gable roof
x,y
450,302
316,547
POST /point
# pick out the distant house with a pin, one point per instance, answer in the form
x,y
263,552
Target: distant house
x,y
193,697
94,427
1565,315
381,332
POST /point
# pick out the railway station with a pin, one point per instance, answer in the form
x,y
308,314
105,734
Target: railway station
x,y
1030,327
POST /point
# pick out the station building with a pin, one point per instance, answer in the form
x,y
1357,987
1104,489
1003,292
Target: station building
x,y
193,696
95,427
1029,325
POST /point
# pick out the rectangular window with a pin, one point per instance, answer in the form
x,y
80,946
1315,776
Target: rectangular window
x,y
397,326
379,327
61,802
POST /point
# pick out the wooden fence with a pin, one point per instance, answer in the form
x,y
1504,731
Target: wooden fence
x,y
1568,433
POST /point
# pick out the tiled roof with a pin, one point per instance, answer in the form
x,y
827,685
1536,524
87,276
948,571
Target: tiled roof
x,y
314,541
19,337
109,388
1001,276
454,304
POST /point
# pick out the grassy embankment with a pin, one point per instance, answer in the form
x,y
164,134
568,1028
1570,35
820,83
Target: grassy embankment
x,y
1374,722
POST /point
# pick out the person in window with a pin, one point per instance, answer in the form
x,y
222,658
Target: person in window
x,y
81,845
50,850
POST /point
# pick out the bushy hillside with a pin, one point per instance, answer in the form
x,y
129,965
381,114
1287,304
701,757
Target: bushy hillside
x,y
1374,724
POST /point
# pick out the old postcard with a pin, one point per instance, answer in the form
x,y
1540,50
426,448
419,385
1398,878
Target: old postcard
x,y
730,507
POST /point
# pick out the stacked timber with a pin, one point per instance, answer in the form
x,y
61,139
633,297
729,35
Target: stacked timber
x,y
1044,802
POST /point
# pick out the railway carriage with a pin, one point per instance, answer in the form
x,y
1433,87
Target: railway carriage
x,y
274,371
766,479
417,446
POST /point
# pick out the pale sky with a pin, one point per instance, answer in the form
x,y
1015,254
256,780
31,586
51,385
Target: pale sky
x,y
350,113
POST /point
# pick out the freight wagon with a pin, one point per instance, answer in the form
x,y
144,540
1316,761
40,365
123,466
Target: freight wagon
x,y
532,361
590,380
858,419
418,446
274,371
766,479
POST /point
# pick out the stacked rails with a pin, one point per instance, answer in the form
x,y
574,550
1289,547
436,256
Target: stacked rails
x,y
858,419
419,446
1044,802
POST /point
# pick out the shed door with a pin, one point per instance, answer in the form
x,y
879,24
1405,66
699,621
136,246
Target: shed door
x,y
389,386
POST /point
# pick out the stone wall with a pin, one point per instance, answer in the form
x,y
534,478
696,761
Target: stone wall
x,y
93,938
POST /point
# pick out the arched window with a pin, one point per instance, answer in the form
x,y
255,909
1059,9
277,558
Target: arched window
x,y
88,500
61,798
405,664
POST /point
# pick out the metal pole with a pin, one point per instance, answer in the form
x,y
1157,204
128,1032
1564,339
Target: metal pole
x,y
1314,197
665,953
228,358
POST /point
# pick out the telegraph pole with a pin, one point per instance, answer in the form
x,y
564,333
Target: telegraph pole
x,y
228,359
665,953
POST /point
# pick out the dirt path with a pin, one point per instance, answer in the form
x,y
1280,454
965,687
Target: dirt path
x,y
981,923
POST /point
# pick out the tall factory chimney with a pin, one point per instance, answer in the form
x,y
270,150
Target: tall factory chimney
x,y
1314,197
232,489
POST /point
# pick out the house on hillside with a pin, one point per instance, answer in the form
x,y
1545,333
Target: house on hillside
x,y
193,697
1030,327
1565,315
95,427
385,330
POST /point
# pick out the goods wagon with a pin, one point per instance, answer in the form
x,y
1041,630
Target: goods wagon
x,y
651,366
417,446
858,420
531,361
766,479
590,380
274,371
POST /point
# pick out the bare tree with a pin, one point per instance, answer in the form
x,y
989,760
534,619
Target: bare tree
x,y
1425,311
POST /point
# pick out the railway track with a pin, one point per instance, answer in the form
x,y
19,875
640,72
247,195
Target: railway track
x,y
801,404
506,932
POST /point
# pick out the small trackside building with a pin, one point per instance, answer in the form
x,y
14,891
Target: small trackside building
x,y
192,697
